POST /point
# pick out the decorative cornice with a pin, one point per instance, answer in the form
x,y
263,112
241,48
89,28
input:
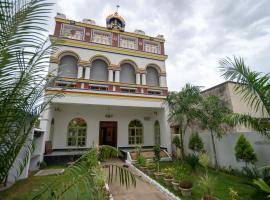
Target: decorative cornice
x,y
83,62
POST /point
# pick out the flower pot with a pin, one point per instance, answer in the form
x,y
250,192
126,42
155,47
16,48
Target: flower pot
x,y
208,198
168,180
150,172
185,188
175,185
158,175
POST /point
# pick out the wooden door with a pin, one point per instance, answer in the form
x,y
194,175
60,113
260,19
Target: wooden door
x,y
108,133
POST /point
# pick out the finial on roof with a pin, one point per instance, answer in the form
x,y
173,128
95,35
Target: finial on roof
x,y
115,21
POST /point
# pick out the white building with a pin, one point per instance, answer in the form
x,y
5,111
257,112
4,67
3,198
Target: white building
x,y
114,88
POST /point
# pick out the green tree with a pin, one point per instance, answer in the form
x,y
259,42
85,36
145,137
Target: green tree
x,y
213,115
244,151
157,151
195,142
255,90
24,59
183,107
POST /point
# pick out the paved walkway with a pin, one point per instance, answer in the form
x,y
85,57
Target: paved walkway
x,y
143,190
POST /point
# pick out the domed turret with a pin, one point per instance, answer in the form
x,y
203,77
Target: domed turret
x,y
115,21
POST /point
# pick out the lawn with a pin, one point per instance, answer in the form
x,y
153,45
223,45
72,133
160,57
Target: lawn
x,y
223,182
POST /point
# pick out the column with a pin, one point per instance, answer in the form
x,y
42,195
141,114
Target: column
x,y
162,81
138,78
110,75
87,72
143,79
80,71
117,76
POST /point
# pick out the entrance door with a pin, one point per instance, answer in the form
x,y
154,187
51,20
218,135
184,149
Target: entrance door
x,y
108,133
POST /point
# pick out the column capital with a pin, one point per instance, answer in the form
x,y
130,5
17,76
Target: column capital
x,y
163,74
54,60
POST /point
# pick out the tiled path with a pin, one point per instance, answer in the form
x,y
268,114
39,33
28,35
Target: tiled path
x,y
142,191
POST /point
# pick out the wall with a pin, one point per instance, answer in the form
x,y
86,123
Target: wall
x,y
93,114
225,148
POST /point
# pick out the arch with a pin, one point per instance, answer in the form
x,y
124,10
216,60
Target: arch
x,y
69,53
77,132
100,57
135,132
157,132
68,66
99,70
131,62
158,68
152,76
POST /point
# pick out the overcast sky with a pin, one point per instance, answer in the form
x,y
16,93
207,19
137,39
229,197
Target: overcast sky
x,y
198,33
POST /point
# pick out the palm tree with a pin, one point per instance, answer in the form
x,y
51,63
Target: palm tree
x,y
24,57
213,114
255,90
183,109
86,175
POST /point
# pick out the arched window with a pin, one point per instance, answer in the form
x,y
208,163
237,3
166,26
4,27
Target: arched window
x,y
127,74
76,132
68,67
152,76
157,133
135,132
99,70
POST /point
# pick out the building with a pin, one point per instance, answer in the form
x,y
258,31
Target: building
x,y
114,85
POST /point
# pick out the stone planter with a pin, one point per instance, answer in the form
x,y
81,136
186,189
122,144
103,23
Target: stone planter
x,y
168,180
159,175
175,185
185,188
150,172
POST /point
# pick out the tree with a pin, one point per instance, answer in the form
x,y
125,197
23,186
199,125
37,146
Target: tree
x,y
213,115
255,90
183,109
244,151
24,58
157,151
195,142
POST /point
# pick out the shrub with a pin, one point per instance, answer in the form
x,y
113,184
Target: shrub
x,y
141,160
168,171
192,161
195,142
207,184
157,150
233,194
244,151
177,142
204,160
179,173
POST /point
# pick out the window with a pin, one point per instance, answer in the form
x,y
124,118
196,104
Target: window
x,y
152,76
102,37
157,133
99,70
76,132
72,32
127,74
151,47
68,67
135,132
128,42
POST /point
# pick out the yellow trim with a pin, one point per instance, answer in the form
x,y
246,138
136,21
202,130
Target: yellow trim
x,y
110,83
107,95
66,21
111,49
67,52
101,57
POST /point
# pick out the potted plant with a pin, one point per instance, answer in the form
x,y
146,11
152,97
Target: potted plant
x,y
185,187
178,175
168,177
141,162
151,167
157,150
207,185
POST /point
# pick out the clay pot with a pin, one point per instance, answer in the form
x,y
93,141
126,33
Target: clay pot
x,y
185,188
159,175
168,180
175,185
150,172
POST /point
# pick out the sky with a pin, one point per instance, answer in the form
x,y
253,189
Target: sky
x,y
198,33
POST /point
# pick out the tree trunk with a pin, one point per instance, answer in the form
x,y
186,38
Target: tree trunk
x,y
214,148
182,143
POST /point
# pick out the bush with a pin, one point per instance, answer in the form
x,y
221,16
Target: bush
x,y
42,165
207,184
204,160
177,142
179,173
192,161
141,160
157,150
195,142
244,151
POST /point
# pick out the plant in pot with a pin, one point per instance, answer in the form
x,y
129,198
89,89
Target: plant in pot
x,y
168,177
178,174
157,150
151,167
141,162
185,187
207,185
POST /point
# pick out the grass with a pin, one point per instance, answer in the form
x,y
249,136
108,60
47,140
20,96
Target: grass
x,y
223,182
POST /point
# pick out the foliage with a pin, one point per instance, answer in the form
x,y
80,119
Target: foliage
x,y
24,58
195,142
192,161
141,160
179,173
207,184
244,150
86,172
42,164
233,194
183,109
138,150
177,142
262,185
157,155
213,115
168,171
255,90
204,160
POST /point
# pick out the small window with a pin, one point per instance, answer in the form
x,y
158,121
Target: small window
x,y
151,47
135,132
128,42
76,132
157,133
72,32
102,37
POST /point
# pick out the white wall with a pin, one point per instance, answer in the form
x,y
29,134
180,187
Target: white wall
x,y
123,115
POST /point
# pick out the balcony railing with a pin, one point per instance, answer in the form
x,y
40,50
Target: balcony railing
x,y
109,87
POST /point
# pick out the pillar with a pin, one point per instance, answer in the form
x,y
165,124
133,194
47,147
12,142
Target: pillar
x,y
162,81
117,76
144,79
87,72
80,71
138,78
110,75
